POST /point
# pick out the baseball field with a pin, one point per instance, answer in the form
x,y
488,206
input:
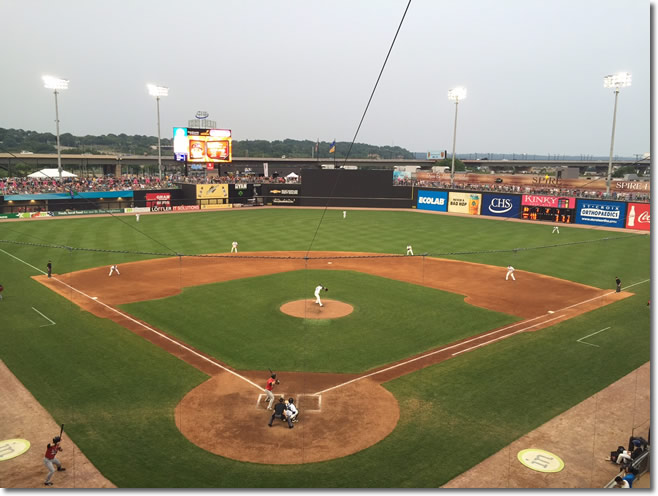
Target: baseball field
x,y
158,372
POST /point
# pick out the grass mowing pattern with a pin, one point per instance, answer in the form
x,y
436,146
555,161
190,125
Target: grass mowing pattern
x,y
392,320
116,391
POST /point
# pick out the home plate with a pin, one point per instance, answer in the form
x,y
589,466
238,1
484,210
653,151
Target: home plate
x,y
551,311
329,263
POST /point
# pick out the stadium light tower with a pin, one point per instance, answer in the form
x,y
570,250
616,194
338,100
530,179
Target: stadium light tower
x,y
455,94
157,92
615,81
53,83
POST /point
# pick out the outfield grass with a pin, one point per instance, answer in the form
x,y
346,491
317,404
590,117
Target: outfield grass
x,y
116,391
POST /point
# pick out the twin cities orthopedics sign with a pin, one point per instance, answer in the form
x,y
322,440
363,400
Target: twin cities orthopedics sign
x,y
432,200
639,216
601,213
501,205
548,201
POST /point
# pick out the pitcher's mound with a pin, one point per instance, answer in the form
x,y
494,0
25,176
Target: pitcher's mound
x,y
308,309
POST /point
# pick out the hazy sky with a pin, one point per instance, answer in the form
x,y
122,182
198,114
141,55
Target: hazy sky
x,y
304,69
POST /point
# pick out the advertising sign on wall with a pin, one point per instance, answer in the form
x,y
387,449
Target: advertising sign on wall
x,y
639,216
601,213
548,201
432,200
206,191
501,205
158,201
464,203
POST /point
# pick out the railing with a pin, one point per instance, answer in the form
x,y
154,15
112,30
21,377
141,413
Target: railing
x,y
641,464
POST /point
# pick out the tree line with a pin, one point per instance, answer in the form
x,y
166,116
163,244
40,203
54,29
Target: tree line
x,y
19,140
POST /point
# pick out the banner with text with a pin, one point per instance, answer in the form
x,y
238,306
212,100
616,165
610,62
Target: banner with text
x,y
601,213
501,205
158,201
548,201
464,203
639,216
432,200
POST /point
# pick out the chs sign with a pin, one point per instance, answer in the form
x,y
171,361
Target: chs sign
x,y
501,205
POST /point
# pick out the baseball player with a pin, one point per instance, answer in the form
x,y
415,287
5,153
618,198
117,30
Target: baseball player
x,y
271,382
344,214
1,288
115,268
50,268
510,273
410,250
234,247
317,294
292,412
618,281
50,458
281,412
556,229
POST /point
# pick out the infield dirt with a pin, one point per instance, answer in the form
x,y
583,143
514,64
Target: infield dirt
x,y
531,297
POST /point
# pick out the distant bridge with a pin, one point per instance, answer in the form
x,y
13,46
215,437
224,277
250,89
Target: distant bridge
x,y
131,164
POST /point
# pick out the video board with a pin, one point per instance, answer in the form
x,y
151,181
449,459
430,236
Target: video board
x,y
202,145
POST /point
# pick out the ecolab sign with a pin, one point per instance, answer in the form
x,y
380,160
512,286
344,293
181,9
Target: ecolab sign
x,y
639,216
432,200
501,205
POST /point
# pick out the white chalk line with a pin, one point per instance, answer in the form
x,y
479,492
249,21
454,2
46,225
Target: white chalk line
x,y
581,339
141,324
44,325
440,350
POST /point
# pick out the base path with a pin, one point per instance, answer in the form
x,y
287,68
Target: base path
x,y
323,432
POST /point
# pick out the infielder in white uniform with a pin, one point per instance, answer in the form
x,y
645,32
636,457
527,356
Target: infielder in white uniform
x,y
410,251
115,268
317,294
510,272
234,247
556,229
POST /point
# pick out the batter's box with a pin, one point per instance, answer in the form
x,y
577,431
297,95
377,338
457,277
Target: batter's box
x,y
306,402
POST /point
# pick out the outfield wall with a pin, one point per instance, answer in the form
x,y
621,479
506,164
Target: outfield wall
x,y
336,188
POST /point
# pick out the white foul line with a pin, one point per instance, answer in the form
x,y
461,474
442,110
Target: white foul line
x,y
141,324
581,339
473,339
51,322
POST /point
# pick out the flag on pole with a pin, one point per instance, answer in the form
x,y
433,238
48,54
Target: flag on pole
x,y
332,148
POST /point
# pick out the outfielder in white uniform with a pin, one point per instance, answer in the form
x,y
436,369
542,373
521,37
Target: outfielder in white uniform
x,y
344,213
410,251
115,268
510,272
317,294
556,229
234,247
137,217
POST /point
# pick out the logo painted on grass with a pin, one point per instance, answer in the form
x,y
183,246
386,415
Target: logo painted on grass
x,y
11,448
540,460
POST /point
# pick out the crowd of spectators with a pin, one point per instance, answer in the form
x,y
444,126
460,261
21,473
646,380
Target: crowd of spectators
x,y
32,186
527,190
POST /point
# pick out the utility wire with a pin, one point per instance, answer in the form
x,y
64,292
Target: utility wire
x,y
358,127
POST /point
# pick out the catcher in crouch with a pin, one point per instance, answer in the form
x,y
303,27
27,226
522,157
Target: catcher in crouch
x,y
271,382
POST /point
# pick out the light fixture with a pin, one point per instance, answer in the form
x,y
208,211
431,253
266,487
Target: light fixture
x,y
455,94
616,81
55,83
157,92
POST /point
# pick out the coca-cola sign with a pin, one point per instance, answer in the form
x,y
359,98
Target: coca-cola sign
x,y
639,216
